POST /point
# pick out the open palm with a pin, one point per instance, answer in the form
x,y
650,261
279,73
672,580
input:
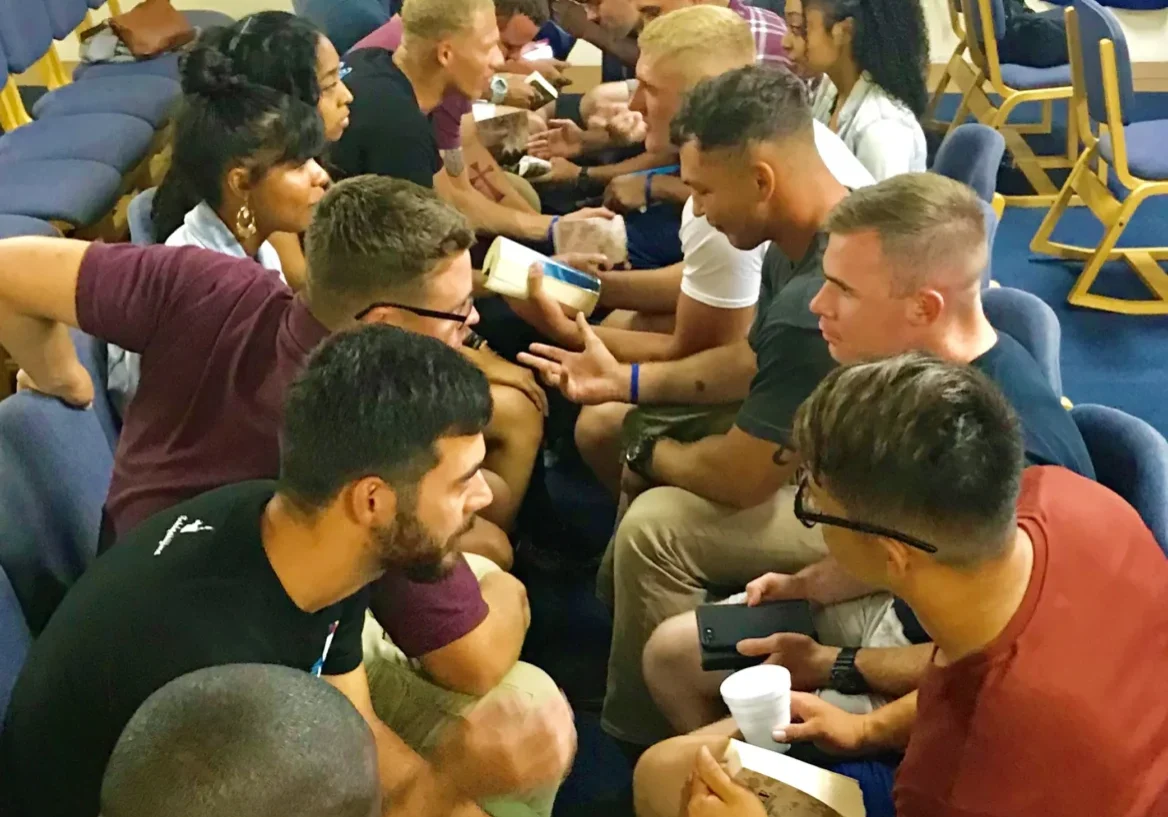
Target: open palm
x,y
589,377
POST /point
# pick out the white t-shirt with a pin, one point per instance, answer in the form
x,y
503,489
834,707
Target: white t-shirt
x,y
881,131
717,274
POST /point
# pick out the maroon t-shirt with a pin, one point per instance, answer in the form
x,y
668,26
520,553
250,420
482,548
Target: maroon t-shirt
x,y
1066,712
221,339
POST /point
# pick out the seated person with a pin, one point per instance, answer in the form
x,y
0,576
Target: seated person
x,y
1048,700
381,447
380,251
902,269
290,55
714,289
243,167
235,740
518,22
702,532
873,91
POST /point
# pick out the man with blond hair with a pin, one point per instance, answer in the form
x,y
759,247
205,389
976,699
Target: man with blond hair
x,y
714,290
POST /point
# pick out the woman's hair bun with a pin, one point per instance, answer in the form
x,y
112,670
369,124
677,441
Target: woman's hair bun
x,y
207,71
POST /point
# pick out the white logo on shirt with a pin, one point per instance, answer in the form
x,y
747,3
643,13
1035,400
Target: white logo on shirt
x,y
180,526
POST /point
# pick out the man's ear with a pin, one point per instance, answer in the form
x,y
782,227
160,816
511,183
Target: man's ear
x,y
765,180
443,53
897,561
370,502
926,307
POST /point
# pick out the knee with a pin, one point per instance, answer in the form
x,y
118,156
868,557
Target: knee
x,y
490,541
532,684
670,653
599,427
660,776
514,417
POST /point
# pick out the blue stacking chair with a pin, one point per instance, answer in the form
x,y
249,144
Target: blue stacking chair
x,y
1130,458
13,226
1013,85
972,153
1030,321
26,33
344,22
55,468
1123,166
14,642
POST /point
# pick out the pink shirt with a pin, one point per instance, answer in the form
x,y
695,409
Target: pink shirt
x,y
447,117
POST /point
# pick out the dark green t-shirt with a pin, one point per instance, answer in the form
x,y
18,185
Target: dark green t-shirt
x,y
792,354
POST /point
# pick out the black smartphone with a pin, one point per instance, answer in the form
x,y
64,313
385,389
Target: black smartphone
x,y
722,626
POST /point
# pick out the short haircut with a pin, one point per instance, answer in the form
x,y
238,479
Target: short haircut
x,y
374,401
535,10
920,445
376,238
243,739
434,20
701,39
747,105
930,228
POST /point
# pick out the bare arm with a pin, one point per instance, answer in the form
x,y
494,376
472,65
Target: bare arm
x,y
698,327
669,188
477,662
38,301
701,467
410,787
488,216
890,726
642,161
647,290
292,261
718,375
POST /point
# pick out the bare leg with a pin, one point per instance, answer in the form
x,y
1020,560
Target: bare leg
x,y
513,438
489,541
598,432
662,771
687,696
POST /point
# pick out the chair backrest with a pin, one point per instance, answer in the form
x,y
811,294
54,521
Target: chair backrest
x,y
55,468
65,16
139,216
25,33
991,228
972,153
1097,24
1130,458
344,21
1030,321
14,642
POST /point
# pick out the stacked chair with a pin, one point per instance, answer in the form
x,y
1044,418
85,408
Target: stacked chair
x,y
992,92
971,154
1124,164
89,141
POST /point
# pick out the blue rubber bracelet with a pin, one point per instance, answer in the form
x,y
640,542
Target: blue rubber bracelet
x,y
634,382
649,188
551,238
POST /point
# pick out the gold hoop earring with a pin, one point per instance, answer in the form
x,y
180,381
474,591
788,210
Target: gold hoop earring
x,y
245,224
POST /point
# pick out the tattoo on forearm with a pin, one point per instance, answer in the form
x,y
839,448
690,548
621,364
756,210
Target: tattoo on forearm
x,y
453,161
700,385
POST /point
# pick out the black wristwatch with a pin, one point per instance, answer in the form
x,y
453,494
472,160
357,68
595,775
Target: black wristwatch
x,y
583,180
845,677
639,456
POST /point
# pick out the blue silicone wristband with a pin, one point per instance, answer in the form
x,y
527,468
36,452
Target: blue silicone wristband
x,y
634,382
551,238
649,188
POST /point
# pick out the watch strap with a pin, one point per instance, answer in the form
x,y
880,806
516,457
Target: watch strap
x,y
845,677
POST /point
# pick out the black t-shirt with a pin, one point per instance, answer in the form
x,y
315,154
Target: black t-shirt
x,y
792,354
188,588
388,134
1048,432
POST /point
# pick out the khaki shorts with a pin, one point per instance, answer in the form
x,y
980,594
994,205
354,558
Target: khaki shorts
x,y
686,424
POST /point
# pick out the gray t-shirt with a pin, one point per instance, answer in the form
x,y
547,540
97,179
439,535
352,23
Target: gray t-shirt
x,y
792,354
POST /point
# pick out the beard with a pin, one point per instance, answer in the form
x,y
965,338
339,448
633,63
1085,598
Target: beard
x,y
410,546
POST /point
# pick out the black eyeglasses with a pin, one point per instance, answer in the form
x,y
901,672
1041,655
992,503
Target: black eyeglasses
x,y
417,310
811,518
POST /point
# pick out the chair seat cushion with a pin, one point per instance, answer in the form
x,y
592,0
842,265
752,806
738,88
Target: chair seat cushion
x,y
163,66
117,140
1025,78
13,226
1147,154
71,190
149,98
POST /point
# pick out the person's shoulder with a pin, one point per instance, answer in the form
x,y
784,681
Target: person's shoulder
x,y
839,159
1008,363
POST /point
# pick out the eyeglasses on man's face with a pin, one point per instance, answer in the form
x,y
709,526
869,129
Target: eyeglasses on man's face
x,y
811,517
456,317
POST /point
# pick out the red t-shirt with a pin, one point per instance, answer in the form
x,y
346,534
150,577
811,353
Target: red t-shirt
x,y
221,339
1065,714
